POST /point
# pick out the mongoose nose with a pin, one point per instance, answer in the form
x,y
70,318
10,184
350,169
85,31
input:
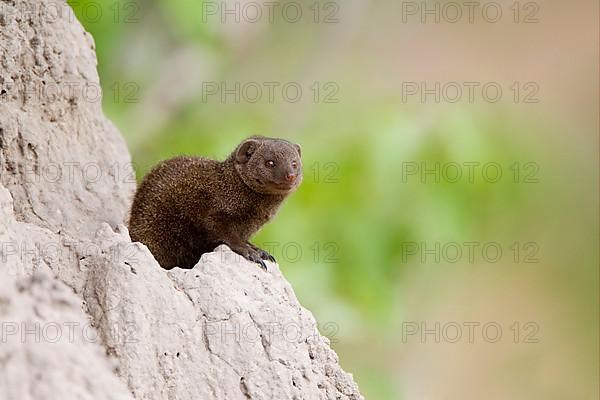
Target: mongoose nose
x,y
290,178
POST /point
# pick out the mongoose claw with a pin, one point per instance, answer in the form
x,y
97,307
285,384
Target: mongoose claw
x,y
262,264
255,254
266,256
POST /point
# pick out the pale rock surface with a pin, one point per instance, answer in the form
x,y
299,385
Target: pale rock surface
x,y
222,330
49,350
66,165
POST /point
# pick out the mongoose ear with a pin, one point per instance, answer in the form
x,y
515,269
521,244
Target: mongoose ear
x,y
298,149
245,150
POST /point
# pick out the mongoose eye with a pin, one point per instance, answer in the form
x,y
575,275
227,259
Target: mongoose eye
x,y
270,164
294,164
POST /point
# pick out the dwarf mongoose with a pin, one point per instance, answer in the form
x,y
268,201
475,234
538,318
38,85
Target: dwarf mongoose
x,y
187,206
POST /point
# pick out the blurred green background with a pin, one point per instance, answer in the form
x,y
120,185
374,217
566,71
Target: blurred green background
x,y
358,240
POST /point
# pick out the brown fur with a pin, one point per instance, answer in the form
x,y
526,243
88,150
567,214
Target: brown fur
x,y
187,206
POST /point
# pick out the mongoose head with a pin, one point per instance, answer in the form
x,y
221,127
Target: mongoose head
x,y
269,166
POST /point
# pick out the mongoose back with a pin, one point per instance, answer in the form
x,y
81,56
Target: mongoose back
x,y
187,206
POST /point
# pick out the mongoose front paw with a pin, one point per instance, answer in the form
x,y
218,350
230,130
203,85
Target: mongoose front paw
x,y
250,253
264,255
